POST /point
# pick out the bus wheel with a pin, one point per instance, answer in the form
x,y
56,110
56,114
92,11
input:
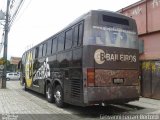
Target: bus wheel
x,y
49,93
58,95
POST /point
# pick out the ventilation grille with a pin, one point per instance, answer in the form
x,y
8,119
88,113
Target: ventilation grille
x,y
75,88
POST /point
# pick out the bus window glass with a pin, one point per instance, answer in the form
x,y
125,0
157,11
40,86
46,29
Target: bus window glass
x,y
24,58
40,51
36,52
112,19
49,46
114,37
80,34
44,49
68,39
61,42
75,37
54,45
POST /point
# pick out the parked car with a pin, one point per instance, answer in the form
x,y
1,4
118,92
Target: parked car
x,y
13,76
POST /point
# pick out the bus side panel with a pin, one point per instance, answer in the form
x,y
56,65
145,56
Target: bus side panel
x,y
61,71
37,83
73,84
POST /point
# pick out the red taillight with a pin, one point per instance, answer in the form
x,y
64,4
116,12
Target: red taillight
x,y
90,77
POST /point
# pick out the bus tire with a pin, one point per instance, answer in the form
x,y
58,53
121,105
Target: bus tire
x,y
58,96
49,93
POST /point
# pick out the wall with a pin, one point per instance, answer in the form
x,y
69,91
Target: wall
x,y
151,46
147,16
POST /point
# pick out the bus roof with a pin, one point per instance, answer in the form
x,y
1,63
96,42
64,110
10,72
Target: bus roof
x,y
82,17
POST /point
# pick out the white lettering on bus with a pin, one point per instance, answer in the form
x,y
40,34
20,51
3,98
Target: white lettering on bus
x,y
114,29
131,58
111,57
100,57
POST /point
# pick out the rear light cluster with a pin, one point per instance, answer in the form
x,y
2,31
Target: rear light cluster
x,y
90,77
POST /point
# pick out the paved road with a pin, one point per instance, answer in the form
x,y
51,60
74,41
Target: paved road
x,y
17,103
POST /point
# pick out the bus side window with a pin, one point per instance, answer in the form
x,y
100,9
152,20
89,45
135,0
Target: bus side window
x,y
80,37
27,56
31,54
68,39
54,45
49,46
23,58
36,52
44,49
40,51
75,36
61,42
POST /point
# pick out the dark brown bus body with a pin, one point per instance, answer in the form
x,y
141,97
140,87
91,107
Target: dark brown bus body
x,y
89,71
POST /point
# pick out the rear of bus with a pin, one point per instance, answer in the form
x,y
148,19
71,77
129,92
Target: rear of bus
x,y
110,59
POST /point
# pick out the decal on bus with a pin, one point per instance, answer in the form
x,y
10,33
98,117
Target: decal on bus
x,y
43,71
29,69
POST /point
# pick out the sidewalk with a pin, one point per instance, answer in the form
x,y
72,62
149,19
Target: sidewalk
x,y
148,103
17,104
16,101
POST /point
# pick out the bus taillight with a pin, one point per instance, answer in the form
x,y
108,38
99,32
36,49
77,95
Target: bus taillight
x,y
90,77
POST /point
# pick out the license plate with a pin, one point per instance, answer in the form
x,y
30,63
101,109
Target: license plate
x,y
118,80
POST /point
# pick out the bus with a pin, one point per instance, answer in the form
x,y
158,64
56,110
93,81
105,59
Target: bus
x,y
94,60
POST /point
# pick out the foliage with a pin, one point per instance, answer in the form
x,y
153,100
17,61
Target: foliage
x,y
10,67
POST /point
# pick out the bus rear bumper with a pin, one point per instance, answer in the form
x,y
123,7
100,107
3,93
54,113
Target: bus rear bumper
x,y
111,95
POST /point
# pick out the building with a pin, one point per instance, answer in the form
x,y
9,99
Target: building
x,y
14,62
147,16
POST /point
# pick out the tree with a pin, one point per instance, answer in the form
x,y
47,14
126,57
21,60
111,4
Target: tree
x,y
10,67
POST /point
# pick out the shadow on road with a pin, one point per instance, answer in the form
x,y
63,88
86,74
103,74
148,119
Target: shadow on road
x,y
95,111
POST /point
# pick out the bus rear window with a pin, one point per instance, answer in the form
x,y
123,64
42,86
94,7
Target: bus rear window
x,y
116,20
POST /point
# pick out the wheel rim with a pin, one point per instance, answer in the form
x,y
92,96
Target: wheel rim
x,y
48,93
57,96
